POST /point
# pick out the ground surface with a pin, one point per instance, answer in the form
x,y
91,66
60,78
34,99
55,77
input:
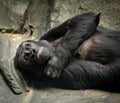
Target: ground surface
x,y
51,94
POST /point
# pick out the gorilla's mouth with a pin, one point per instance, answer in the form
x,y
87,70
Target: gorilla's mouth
x,y
39,52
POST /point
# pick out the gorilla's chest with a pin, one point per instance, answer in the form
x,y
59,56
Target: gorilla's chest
x,y
99,49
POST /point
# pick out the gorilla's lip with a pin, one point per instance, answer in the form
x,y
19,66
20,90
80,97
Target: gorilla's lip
x,y
39,52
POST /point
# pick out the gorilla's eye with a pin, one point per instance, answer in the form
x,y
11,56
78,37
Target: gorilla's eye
x,y
27,46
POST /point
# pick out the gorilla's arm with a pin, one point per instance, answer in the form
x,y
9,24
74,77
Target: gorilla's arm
x,y
81,28
86,74
56,32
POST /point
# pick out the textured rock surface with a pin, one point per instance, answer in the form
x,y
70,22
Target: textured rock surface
x,y
110,10
11,13
7,96
37,16
31,15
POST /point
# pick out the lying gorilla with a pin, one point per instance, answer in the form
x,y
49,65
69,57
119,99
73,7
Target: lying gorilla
x,y
75,53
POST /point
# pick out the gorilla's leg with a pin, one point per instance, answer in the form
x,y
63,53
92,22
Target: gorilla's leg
x,y
86,74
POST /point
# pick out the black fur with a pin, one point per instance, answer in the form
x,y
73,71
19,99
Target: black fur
x,y
79,29
86,57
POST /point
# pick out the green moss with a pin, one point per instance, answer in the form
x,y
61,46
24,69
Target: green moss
x,y
3,30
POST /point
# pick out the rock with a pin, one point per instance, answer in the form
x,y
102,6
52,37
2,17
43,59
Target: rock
x,y
11,13
7,96
96,94
109,9
35,17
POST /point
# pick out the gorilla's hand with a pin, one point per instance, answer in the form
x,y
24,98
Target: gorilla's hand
x,y
54,67
59,59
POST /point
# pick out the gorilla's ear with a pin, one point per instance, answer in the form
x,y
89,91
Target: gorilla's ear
x,y
97,18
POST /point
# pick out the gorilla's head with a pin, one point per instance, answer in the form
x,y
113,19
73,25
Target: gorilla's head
x,y
33,55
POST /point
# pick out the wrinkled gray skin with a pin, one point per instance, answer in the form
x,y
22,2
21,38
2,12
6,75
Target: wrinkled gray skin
x,y
12,77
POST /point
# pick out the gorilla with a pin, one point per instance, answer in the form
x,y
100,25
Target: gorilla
x,y
78,54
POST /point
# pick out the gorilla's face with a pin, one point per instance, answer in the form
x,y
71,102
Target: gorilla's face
x,y
33,54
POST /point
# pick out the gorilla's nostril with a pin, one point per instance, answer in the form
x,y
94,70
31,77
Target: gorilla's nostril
x,y
33,52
